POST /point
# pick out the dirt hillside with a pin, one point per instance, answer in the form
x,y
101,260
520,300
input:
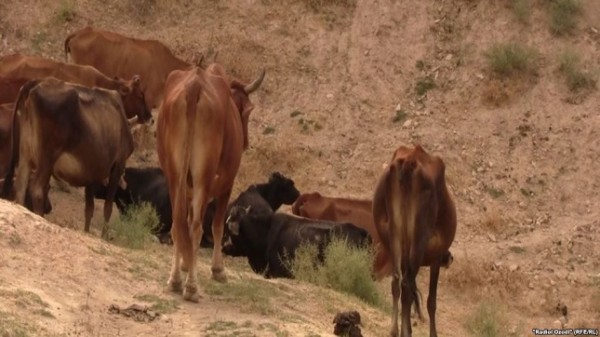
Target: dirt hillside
x,y
347,82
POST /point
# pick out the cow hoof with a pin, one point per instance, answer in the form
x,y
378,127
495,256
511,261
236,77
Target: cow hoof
x,y
175,286
190,293
219,276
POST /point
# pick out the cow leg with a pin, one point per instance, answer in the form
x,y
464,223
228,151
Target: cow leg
x,y
89,207
174,283
431,299
395,297
196,214
22,181
218,269
37,189
111,190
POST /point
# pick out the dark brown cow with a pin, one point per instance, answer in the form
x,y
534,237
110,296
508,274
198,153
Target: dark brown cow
x,y
356,211
18,66
416,220
9,88
77,134
202,130
123,56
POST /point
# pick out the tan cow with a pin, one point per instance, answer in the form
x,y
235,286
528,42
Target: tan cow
x,y
202,130
75,133
118,55
18,66
416,220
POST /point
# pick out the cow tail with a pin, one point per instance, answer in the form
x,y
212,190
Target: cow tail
x,y
67,46
185,240
15,139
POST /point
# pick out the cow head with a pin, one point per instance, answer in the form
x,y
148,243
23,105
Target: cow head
x,y
240,94
235,216
134,100
283,188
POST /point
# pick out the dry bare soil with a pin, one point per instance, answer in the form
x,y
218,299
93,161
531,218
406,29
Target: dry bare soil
x,y
347,82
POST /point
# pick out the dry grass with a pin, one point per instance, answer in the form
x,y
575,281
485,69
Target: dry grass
x,y
577,79
133,229
488,320
521,9
563,16
509,59
318,5
493,222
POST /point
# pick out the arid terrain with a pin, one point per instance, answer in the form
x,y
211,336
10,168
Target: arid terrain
x,y
347,83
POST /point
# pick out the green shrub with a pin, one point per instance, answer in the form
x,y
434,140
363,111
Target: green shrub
x,y
345,269
487,321
563,15
132,229
570,67
507,59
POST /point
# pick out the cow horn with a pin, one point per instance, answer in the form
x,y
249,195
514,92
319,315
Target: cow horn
x,y
136,79
255,84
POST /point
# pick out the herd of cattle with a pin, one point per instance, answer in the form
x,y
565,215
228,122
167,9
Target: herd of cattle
x,y
72,121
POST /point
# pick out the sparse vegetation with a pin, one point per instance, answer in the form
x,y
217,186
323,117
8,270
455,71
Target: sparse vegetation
x,y
66,11
563,16
295,113
577,79
307,123
487,321
317,5
424,84
159,305
345,269
507,59
253,295
493,222
37,40
494,192
400,116
268,130
521,9
133,228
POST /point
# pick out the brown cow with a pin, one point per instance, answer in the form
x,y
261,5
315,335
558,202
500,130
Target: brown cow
x,y
33,67
202,130
75,133
9,88
6,111
356,211
123,56
416,220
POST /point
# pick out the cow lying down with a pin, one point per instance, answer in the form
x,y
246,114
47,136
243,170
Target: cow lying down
x,y
270,240
150,185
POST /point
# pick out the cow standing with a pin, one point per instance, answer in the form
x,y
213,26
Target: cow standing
x,y
77,134
202,130
118,55
416,221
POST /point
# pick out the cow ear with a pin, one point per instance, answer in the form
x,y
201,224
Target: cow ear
x,y
234,227
123,90
135,80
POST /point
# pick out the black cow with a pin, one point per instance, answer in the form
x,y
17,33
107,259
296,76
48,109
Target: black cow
x,y
270,240
150,185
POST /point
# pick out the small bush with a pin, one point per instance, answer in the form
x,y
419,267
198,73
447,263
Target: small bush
x,y
424,85
317,5
268,130
487,321
577,79
521,9
345,269
563,16
66,11
511,58
400,116
133,228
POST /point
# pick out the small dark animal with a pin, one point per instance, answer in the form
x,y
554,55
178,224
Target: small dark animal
x,y
347,324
